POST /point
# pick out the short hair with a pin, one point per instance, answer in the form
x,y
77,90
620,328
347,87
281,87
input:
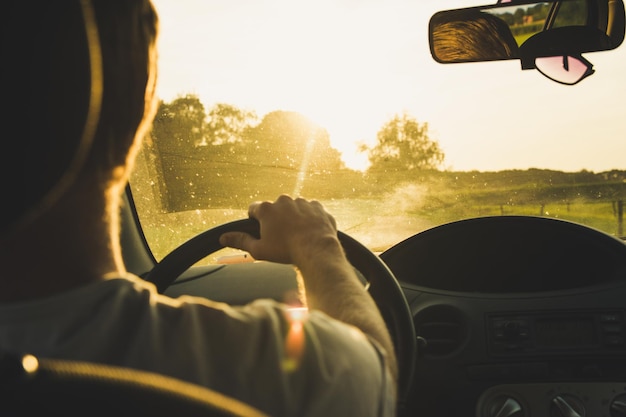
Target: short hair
x,y
48,79
471,35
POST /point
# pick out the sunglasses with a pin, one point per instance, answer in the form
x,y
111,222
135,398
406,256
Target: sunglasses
x,y
566,69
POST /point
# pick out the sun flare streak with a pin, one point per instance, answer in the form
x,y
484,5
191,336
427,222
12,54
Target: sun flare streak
x,y
294,340
304,166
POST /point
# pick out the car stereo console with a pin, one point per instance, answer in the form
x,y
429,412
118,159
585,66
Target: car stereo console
x,y
599,332
580,357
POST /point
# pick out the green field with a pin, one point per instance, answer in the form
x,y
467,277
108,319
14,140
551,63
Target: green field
x,y
377,208
378,222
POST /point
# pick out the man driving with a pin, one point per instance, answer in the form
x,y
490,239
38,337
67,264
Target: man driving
x,y
84,74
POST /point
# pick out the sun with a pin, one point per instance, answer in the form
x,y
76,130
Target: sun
x,y
279,59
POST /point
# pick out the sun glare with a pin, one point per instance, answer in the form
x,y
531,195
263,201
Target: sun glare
x,y
323,60
351,66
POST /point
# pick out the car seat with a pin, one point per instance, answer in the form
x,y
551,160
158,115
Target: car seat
x,y
33,386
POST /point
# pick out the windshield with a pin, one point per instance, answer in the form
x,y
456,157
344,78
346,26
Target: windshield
x,y
341,101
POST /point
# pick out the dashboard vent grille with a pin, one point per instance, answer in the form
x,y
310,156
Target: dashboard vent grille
x,y
441,330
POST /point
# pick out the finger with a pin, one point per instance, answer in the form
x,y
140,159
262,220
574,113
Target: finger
x,y
252,209
238,240
320,207
255,209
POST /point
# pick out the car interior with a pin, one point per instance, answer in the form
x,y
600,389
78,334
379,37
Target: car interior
x,y
478,191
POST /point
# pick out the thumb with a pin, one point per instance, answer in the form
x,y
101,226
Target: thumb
x,y
238,240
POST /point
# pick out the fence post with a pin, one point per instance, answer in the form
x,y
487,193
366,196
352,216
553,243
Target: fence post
x,y
620,218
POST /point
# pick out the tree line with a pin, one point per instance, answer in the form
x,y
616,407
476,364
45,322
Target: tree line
x,y
226,157
227,153
532,19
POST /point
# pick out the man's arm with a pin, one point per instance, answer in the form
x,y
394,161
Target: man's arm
x,y
302,233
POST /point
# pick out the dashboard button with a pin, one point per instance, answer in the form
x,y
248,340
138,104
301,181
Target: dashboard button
x,y
614,340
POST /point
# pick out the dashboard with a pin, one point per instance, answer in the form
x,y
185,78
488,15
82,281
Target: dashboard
x,y
514,315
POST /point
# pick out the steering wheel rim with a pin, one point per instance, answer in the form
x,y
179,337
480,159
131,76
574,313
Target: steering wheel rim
x,y
383,286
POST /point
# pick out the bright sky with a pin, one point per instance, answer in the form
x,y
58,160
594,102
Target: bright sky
x,y
350,65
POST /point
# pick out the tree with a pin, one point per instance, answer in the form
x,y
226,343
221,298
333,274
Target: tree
x,y
518,16
177,129
225,131
227,123
290,140
179,126
403,144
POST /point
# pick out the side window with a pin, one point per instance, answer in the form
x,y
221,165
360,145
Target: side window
x,y
571,13
524,21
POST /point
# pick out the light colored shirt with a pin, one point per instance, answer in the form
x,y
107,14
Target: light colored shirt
x,y
286,362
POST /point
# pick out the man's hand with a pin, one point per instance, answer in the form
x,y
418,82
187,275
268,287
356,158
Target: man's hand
x,y
292,231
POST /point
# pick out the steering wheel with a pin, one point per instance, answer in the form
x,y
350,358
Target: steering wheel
x,y
383,286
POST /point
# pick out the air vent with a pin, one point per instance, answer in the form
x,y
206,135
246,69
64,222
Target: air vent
x,y
440,329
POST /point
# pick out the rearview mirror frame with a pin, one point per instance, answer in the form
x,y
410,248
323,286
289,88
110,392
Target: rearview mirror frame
x,y
493,32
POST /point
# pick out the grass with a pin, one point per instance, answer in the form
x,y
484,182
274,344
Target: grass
x,y
377,223
380,209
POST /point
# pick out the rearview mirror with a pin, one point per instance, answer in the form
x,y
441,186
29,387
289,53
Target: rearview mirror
x,y
526,31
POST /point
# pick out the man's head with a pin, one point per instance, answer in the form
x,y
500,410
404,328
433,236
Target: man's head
x,y
471,35
79,77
